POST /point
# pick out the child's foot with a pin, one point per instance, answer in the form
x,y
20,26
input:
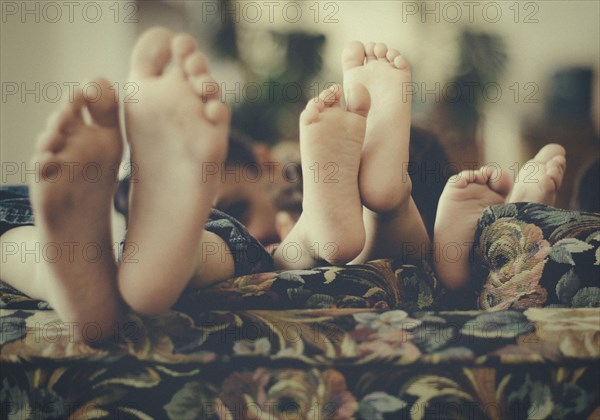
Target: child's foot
x,y
384,183
331,138
76,160
392,220
178,131
540,178
463,200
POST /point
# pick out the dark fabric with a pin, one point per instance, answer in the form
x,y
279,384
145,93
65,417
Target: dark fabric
x,y
248,254
15,208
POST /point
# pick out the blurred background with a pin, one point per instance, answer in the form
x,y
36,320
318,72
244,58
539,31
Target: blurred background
x,y
494,80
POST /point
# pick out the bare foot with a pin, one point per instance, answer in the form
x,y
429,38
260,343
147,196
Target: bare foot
x,y
386,74
77,158
178,132
540,178
331,138
394,227
463,200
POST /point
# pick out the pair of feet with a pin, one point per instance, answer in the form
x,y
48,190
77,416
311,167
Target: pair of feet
x,y
176,128
353,164
173,127
467,194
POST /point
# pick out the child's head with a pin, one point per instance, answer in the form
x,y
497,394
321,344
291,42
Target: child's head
x,y
255,189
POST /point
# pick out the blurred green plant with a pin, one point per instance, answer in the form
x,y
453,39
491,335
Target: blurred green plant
x,y
273,115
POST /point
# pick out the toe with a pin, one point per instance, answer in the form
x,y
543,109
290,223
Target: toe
x,y
392,54
50,141
380,50
151,53
331,96
401,63
61,123
499,180
195,64
556,169
470,177
560,161
309,115
358,99
549,151
104,110
353,55
370,51
205,86
182,46
461,179
70,116
217,112
312,111
48,165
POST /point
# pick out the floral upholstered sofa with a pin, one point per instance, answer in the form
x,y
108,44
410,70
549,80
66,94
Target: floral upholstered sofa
x,y
381,340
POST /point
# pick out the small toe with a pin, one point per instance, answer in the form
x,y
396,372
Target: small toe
x,y
195,64
380,50
370,51
353,55
472,177
310,113
498,180
331,96
151,53
217,112
401,63
70,116
105,109
182,46
50,141
60,124
560,161
460,180
205,86
392,54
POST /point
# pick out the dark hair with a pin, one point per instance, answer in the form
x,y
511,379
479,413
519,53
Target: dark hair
x,y
588,198
240,149
429,170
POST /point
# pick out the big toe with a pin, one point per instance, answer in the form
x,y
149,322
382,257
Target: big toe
x,y
151,53
353,55
104,109
358,99
556,169
549,151
499,181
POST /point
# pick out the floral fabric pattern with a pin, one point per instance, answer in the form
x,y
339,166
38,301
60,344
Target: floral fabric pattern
x,y
373,341
531,255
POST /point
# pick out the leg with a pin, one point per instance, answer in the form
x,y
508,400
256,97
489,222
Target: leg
x,y
463,200
178,134
330,227
540,177
469,193
394,227
74,267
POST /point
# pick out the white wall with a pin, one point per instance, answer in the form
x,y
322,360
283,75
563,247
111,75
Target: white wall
x,y
567,33
55,51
